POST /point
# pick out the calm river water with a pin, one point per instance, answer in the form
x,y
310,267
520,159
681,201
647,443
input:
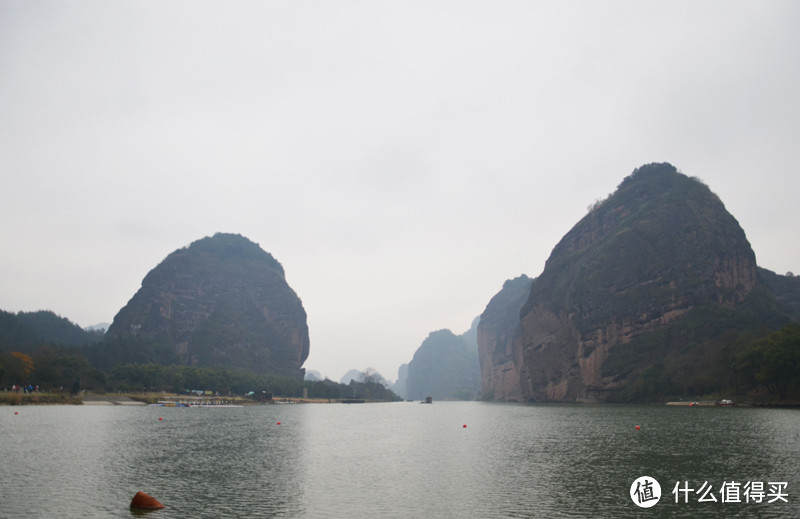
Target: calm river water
x,y
402,460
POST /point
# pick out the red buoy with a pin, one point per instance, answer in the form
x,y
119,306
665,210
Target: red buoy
x,y
279,423
143,501
464,426
159,418
637,427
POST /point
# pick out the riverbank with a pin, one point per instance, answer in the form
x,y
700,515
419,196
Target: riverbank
x,y
110,400
38,398
133,399
44,398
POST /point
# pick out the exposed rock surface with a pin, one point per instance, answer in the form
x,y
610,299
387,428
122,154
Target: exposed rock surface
x,y
471,335
400,386
501,369
638,284
222,301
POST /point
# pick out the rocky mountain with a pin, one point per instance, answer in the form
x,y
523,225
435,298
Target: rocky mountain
x,y
365,376
638,299
471,335
313,375
351,375
445,366
500,368
221,301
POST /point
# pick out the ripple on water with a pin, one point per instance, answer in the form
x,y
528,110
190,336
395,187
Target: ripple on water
x,y
396,460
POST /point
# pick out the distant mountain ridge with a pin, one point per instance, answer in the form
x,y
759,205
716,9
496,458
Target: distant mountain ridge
x,y
98,327
368,375
445,366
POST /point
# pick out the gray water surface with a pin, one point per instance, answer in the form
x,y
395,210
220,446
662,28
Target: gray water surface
x,y
402,460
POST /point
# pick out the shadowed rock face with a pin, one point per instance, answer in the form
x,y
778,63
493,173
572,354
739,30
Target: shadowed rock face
x,y
661,246
501,368
222,301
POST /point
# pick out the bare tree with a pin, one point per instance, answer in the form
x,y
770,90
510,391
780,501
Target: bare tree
x,y
371,375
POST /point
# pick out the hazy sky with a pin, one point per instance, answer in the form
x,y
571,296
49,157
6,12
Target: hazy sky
x,y
400,159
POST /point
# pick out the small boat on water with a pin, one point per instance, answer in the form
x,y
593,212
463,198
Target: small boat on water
x,y
214,404
170,403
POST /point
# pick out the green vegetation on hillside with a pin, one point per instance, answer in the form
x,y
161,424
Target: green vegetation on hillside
x,y
51,328
180,379
713,349
774,363
27,331
44,350
66,370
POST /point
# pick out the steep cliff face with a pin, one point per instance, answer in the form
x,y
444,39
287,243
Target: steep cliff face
x,y
471,335
400,386
660,248
222,301
501,365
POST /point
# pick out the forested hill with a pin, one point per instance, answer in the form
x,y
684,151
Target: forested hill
x,y
786,289
26,331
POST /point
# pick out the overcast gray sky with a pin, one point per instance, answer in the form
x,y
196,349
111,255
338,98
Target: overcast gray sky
x,y
400,159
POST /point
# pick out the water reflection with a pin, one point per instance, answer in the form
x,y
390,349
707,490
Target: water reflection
x,y
220,462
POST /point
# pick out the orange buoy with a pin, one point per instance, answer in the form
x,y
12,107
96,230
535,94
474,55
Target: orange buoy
x,y
143,501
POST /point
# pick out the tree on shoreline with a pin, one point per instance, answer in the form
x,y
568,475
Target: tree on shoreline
x,y
774,362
